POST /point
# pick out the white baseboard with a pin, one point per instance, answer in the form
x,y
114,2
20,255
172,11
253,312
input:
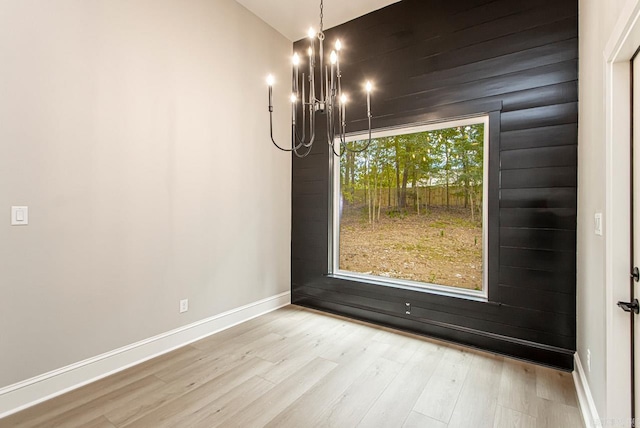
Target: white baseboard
x,y
19,396
585,399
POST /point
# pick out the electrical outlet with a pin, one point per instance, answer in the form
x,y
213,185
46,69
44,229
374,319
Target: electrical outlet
x,y
19,216
184,305
589,360
597,224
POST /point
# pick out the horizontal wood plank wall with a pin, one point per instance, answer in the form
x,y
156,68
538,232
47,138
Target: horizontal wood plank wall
x,y
432,60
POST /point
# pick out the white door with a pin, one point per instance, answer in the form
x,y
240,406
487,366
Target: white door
x,y
634,285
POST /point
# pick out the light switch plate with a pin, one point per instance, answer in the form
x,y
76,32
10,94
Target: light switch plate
x,y
597,223
19,216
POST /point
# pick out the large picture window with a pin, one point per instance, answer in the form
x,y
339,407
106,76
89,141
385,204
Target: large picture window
x,y
411,209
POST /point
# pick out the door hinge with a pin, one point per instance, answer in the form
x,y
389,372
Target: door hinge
x,y
630,306
635,274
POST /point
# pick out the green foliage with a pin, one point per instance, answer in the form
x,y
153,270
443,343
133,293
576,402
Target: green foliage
x,y
397,213
450,158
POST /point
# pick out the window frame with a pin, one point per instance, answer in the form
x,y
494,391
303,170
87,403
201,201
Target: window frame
x,y
334,210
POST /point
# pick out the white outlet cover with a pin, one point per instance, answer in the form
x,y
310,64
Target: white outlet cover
x,y
184,305
19,216
597,223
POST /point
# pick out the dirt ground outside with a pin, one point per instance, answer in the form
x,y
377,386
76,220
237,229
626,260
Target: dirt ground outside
x,y
442,246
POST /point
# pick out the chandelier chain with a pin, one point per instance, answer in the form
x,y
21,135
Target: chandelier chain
x,y
321,13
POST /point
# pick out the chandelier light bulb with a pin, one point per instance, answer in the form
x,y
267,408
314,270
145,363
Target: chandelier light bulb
x,y
294,98
369,86
338,45
311,33
270,80
295,59
343,99
333,57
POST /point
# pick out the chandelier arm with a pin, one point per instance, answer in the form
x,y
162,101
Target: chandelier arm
x,y
312,83
343,138
304,112
312,127
321,49
333,149
357,150
335,105
301,142
341,120
332,136
271,134
331,128
331,131
312,130
294,129
304,155
365,147
294,147
329,122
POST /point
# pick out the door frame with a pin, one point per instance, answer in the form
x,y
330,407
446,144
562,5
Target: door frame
x,y
618,52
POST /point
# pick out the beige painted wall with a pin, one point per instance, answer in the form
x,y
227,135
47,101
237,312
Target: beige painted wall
x,y
137,133
597,20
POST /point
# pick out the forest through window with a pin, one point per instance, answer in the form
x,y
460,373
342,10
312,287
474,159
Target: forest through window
x,y
411,206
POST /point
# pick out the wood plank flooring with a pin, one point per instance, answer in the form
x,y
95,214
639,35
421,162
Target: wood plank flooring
x,y
296,367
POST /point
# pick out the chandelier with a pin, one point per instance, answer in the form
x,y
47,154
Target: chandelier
x,y
331,101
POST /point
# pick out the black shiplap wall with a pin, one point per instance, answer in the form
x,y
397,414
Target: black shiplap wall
x,y
442,58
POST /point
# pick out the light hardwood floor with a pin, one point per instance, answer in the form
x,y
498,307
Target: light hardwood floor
x,y
300,368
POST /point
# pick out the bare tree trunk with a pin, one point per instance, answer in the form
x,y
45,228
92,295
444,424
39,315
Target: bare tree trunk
x,y
467,192
379,204
366,195
403,191
367,192
447,174
347,178
397,177
472,205
369,203
447,190
389,183
374,197
352,161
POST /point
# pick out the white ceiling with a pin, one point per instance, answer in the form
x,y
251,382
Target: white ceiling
x,y
292,18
